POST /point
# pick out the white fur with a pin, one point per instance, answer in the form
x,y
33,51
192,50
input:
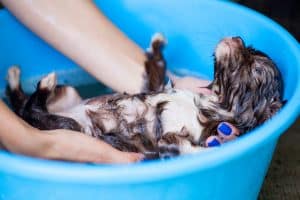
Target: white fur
x,y
49,82
132,109
180,111
186,147
13,77
69,99
221,50
158,37
79,114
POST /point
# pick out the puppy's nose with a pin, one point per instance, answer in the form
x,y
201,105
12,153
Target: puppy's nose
x,y
238,39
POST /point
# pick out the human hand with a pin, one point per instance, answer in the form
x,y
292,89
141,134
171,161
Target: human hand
x,y
190,83
64,144
74,146
226,132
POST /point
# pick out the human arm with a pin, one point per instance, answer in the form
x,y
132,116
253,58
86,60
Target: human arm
x,y
104,52
81,32
19,137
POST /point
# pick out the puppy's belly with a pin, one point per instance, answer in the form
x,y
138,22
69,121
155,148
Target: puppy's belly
x,y
138,121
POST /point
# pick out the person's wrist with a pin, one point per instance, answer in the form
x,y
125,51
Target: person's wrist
x,y
29,141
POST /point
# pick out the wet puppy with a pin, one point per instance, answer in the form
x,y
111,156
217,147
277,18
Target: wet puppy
x,y
161,122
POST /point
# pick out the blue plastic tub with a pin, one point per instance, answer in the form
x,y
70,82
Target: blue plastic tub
x,y
193,28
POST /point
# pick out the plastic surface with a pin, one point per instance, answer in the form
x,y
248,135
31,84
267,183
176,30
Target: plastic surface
x,y
193,28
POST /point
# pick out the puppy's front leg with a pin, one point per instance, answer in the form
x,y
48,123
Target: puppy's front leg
x,y
63,98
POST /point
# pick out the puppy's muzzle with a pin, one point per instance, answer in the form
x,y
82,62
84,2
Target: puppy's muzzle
x,y
228,46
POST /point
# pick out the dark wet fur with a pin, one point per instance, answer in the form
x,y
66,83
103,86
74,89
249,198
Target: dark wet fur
x,y
155,66
131,137
254,94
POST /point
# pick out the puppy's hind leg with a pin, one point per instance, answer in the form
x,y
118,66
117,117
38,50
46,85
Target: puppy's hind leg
x,y
63,98
155,65
36,112
14,90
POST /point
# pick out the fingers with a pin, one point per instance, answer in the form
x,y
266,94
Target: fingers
x,y
190,83
127,157
213,141
203,90
136,157
226,132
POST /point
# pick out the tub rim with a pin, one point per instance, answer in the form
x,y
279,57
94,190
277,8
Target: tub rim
x,y
17,165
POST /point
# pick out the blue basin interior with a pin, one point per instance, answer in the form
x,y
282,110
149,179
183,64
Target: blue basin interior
x,y
192,28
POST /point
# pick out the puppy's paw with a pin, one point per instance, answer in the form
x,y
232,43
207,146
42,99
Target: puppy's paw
x,y
48,82
168,151
158,38
168,146
13,77
158,41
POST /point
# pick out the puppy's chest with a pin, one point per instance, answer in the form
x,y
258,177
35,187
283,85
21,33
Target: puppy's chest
x,y
157,115
179,113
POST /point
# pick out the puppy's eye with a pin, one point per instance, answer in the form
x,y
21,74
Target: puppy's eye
x,y
258,70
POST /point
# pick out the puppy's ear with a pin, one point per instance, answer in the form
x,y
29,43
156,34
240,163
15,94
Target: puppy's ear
x,y
273,108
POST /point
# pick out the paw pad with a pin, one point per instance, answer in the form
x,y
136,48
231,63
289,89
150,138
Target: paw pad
x,y
13,77
49,82
158,37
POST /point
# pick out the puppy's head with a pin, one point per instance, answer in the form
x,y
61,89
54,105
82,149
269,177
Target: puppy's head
x,y
247,82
